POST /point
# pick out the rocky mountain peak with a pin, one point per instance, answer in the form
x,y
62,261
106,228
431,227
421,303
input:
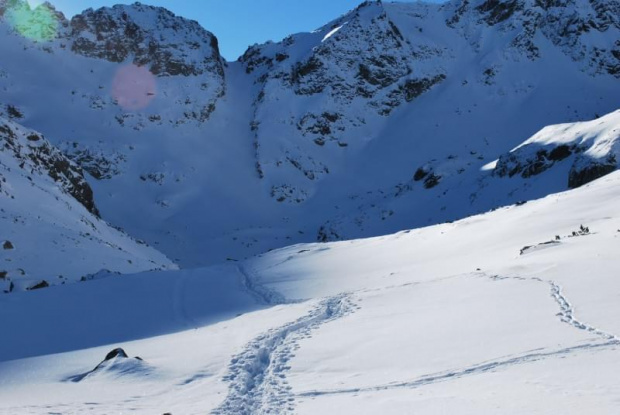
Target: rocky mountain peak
x,y
363,54
169,45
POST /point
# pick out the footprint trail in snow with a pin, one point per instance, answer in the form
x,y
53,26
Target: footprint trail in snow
x,y
257,375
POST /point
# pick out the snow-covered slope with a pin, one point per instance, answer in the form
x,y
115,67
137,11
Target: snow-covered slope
x,y
513,311
378,121
393,116
51,233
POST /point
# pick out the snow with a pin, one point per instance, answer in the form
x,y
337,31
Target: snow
x,y
121,308
331,33
450,317
600,135
501,297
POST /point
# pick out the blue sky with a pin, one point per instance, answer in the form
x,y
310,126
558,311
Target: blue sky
x,y
240,23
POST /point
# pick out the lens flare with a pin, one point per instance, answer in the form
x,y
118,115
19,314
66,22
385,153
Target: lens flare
x,y
39,23
134,87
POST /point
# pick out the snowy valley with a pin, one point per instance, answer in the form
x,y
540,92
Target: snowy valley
x,y
412,209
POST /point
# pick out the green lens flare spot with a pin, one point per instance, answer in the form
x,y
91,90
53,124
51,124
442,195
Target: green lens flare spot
x,y
39,23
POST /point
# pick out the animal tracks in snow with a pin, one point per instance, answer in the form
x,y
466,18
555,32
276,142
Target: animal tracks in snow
x,y
566,314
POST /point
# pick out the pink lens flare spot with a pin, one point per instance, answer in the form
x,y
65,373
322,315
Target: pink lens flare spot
x,y
134,87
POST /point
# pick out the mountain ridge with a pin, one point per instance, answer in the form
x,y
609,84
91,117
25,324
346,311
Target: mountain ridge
x,y
318,137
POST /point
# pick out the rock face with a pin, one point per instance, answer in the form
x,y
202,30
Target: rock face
x,y
360,56
155,39
586,170
574,26
150,43
37,156
152,36
531,160
361,61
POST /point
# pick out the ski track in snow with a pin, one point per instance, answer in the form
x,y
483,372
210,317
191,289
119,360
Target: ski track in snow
x,y
566,315
257,375
178,300
472,370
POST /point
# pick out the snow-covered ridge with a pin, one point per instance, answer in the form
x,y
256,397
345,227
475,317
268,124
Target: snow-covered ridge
x,y
593,146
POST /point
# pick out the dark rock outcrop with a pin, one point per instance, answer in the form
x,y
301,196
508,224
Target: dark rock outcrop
x,y
38,286
585,172
115,353
592,148
529,161
116,361
37,155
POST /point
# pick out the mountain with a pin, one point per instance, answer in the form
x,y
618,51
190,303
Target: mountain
x,y
346,78
414,207
399,106
51,231
380,120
